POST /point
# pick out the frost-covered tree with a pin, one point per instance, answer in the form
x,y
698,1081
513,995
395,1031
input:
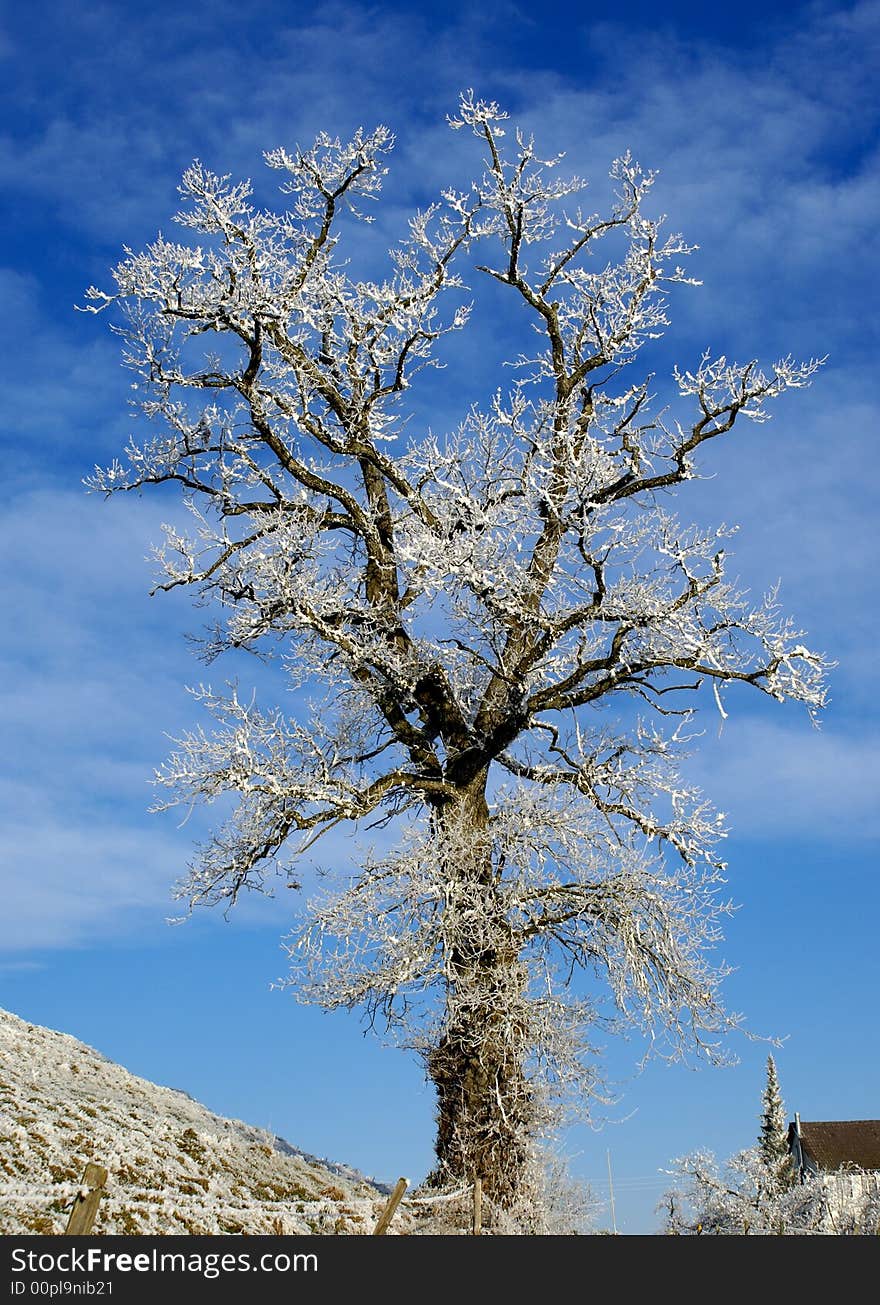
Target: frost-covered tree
x,y
773,1139
735,1200
757,1191
503,629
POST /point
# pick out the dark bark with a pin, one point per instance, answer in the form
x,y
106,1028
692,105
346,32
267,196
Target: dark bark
x,y
485,1108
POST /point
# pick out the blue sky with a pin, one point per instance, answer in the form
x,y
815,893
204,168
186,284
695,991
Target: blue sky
x,y
762,122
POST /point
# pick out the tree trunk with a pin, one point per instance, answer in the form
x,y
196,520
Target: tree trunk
x,y
484,1101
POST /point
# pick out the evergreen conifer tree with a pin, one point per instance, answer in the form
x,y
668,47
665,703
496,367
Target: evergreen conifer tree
x,y
773,1138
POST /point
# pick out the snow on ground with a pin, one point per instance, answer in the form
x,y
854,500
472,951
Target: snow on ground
x,y
174,1166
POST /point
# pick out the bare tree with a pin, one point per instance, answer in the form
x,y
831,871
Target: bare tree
x,y
469,606
736,1199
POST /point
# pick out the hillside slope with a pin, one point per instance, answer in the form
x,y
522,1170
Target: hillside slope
x,y
174,1166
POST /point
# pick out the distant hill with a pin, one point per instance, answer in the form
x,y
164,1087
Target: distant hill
x,y
174,1166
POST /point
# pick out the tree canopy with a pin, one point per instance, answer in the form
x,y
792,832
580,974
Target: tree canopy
x,y
464,608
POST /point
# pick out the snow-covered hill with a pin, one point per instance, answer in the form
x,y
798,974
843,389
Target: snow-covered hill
x,y
174,1167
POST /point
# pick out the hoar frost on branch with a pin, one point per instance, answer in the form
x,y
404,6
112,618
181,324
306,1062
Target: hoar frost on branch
x,y
761,1192
747,1197
466,602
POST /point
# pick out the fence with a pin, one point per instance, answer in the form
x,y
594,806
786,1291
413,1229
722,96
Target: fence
x,y
85,1205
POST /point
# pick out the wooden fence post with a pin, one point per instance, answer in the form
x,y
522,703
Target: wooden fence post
x,y
82,1216
393,1202
478,1206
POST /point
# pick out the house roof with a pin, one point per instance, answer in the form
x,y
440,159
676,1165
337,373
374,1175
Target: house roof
x,y
833,1143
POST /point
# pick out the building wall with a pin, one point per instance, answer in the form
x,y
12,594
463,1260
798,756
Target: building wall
x,y
847,1196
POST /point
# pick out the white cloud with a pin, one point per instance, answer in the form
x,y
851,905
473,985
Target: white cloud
x,y
65,883
84,696
781,781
